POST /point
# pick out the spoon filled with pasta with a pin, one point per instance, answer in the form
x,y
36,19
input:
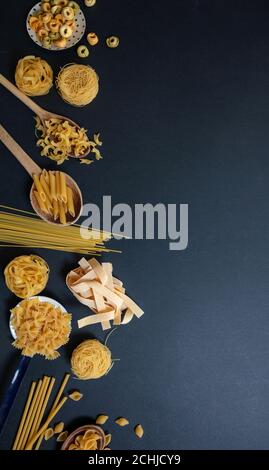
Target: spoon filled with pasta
x,y
60,137
54,195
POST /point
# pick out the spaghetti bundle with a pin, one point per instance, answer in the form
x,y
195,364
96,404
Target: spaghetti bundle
x,y
26,275
91,360
78,84
33,76
28,231
40,328
29,429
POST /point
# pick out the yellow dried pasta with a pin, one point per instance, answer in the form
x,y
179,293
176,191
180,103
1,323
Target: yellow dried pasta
x,y
48,434
91,360
108,439
77,84
40,328
26,275
122,422
139,431
76,395
33,76
87,441
59,139
62,437
59,428
101,419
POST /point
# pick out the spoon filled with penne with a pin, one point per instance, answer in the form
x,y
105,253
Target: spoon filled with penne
x,y
50,124
54,195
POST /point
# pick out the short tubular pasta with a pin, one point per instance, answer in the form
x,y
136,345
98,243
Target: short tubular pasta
x,y
91,360
40,328
26,275
33,76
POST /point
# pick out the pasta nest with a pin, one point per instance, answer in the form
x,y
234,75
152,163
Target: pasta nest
x,y
40,328
33,76
91,360
77,84
26,275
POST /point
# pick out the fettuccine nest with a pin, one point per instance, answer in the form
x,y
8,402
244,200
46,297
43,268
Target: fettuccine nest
x,y
33,76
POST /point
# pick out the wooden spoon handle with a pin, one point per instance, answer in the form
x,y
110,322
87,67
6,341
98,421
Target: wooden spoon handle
x,y
25,99
30,166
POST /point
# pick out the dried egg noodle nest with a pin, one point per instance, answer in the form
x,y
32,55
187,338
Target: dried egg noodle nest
x,y
91,360
26,275
40,328
77,84
33,76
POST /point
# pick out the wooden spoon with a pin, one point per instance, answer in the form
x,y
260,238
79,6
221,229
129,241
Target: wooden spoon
x,y
33,169
40,112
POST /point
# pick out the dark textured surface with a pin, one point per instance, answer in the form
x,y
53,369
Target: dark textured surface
x,y
184,111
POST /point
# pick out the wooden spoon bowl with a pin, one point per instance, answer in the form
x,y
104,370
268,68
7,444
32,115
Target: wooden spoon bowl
x,y
33,169
78,203
71,438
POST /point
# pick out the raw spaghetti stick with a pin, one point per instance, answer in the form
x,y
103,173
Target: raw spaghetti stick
x,y
43,411
26,429
52,414
39,408
55,403
24,416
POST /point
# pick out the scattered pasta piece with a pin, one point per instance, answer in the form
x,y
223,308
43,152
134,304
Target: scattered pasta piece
x,y
122,422
90,3
86,161
101,419
90,360
62,437
26,275
78,84
92,39
48,434
113,42
139,431
40,328
108,439
33,76
59,428
94,285
76,395
83,52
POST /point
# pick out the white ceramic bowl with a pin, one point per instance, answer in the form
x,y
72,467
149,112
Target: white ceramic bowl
x,y
41,298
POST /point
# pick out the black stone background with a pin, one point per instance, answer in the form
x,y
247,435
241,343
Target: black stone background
x,y
183,110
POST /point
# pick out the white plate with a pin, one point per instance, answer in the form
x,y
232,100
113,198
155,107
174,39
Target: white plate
x,y
41,298
75,38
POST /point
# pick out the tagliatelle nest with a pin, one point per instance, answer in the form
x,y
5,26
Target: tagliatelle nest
x,y
26,275
33,76
40,328
91,360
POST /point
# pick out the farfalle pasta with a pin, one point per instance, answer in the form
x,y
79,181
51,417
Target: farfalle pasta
x,y
40,328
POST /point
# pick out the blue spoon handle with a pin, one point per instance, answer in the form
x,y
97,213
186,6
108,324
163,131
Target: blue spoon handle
x,y
12,389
